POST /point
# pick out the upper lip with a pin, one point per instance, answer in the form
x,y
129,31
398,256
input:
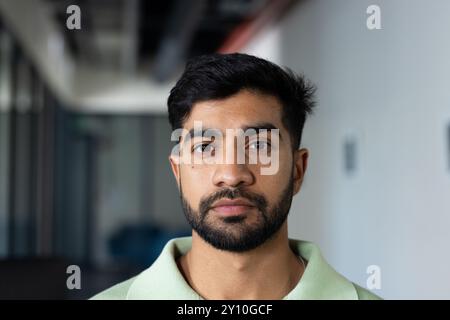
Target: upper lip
x,y
233,202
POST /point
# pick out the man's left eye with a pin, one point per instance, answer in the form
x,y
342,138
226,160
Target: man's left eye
x,y
259,145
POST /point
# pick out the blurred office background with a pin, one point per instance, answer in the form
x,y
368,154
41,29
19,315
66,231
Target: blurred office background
x,y
84,136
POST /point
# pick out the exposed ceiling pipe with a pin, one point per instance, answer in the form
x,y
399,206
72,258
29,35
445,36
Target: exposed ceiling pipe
x,y
131,43
177,37
247,30
76,85
32,24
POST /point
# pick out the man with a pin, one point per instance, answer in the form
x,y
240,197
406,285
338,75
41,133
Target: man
x,y
239,247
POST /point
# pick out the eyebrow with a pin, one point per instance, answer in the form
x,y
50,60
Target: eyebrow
x,y
262,126
196,133
256,126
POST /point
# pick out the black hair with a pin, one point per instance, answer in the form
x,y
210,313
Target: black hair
x,y
218,76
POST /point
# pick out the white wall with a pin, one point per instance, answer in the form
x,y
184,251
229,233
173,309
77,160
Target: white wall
x,y
389,90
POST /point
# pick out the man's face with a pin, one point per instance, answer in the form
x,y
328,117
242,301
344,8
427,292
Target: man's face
x,y
231,205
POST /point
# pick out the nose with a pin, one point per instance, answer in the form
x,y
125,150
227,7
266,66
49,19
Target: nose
x,y
233,175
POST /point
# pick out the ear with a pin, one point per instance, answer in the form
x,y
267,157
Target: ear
x,y
175,166
300,165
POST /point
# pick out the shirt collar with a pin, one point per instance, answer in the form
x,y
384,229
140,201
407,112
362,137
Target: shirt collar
x,y
163,280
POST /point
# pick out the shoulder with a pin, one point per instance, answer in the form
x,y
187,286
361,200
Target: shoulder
x,y
364,294
160,280
116,292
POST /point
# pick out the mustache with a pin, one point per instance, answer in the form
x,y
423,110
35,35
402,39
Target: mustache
x,y
259,201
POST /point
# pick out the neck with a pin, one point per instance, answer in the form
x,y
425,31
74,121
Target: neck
x,y
269,271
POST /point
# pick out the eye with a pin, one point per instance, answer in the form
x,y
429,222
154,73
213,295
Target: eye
x,y
259,145
203,147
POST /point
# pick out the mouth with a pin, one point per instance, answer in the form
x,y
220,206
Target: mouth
x,y
234,207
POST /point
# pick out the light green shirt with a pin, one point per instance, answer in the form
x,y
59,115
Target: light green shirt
x,y
163,280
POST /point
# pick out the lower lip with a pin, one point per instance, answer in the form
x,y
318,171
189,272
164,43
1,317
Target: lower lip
x,y
228,211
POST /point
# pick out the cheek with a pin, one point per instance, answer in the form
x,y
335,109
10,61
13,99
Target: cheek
x,y
272,185
195,181
281,161
196,174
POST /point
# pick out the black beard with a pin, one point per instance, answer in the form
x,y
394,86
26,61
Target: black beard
x,y
248,237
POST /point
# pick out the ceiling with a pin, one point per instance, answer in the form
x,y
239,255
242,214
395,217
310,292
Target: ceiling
x,y
128,53
151,36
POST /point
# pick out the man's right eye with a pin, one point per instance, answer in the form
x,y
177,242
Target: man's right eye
x,y
203,147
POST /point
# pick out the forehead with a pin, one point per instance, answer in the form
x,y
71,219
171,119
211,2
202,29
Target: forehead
x,y
237,111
